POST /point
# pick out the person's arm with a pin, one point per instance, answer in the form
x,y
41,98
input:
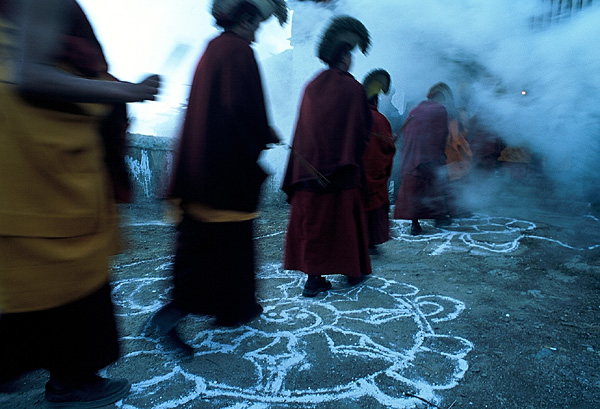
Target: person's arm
x,y
43,23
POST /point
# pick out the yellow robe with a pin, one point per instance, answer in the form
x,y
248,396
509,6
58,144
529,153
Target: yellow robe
x,y
58,223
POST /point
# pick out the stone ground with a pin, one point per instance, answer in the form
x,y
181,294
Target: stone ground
x,y
498,310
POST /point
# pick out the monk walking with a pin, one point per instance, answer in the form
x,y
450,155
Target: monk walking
x,y
422,192
378,160
217,179
324,179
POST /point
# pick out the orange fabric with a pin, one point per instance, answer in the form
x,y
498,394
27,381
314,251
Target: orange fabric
x,y
458,152
515,154
206,214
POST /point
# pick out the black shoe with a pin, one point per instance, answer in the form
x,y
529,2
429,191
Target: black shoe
x,y
162,321
253,312
170,340
415,228
315,285
174,344
94,392
353,281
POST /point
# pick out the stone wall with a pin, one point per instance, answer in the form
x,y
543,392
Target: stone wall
x,y
149,160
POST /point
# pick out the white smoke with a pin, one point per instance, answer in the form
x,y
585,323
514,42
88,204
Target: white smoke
x,y
489,50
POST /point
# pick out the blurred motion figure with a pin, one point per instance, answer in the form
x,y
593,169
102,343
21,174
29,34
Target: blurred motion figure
x,y
422,193
217,180
62,120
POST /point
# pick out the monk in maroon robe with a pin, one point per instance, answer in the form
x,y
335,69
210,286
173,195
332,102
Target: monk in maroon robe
x,y
422,192
217,180
324,178
378,161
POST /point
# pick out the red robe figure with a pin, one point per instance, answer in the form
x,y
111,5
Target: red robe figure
x,y
378,161
217,180
324,178
424,177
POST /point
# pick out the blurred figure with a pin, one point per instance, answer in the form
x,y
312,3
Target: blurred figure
x,y
422,193
486,146
459,157
217,180
378,160
516,161
61,120
324,179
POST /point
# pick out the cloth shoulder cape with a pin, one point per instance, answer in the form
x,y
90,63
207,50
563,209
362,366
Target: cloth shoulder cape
x,y
424,138
331,133
225,130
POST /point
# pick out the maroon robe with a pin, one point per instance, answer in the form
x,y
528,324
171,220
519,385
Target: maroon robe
x,y
422,192
378,160
225,130
327,227
331,134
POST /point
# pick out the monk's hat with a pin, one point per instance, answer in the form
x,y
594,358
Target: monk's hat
x,y
343,30
441,88
377,81
224,9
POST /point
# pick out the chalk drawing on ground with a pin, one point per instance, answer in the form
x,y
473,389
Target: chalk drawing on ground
x,y
479,234
355,349
385,352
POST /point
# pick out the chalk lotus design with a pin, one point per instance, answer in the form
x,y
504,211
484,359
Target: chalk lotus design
x,y
324,352
303,352
480,234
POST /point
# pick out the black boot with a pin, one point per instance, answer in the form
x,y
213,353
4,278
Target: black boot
x,y
84,391
163,321
162,326
415,228
315,285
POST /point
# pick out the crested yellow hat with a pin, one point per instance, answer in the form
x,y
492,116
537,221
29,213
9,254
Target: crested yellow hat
x,y
377,81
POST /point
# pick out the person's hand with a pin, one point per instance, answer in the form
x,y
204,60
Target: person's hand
x,y
147,89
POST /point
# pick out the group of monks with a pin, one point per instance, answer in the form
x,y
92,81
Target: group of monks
x,y
63,124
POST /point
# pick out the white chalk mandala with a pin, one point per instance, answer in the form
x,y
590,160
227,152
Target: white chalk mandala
x,y
302,352
384,343
478,234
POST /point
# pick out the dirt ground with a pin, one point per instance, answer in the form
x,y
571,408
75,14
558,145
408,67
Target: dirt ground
x,y
498,310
